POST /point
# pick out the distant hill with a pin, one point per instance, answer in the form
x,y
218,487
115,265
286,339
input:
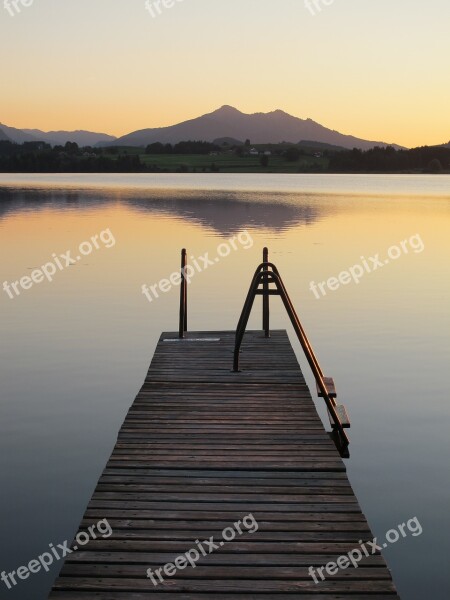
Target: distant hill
x,y
228,141
17,135
321,146
82,138
260,128
3,136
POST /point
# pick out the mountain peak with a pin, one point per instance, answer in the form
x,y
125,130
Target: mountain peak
x,y
280,112
227,109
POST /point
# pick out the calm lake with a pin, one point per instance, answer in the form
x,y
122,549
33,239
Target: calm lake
x,y
75,351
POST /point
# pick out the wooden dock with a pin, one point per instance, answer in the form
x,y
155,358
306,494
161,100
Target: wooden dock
x,y
201,448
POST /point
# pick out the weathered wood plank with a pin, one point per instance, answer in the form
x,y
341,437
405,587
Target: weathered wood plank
x,y
86,595
227,585
261,573
249,559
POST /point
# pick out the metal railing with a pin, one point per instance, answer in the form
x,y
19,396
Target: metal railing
x,y
266,275
183,295
266,312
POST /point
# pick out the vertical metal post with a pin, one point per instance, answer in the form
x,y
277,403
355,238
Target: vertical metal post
x,y
266,309
183,295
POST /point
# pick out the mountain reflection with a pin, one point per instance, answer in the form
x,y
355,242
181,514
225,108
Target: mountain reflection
x,y
224,212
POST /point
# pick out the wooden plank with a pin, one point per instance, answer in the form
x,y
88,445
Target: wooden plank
x,y
237,548
330,387
201,448
86,595
249,559
260,573
343,416
231,585
205,527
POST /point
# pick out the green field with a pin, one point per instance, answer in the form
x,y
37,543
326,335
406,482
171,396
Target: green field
x,y
224,162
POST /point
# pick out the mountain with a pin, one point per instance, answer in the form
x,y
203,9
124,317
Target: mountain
x,y
228,141
321,146
227,124
260,128
82,138
3,136
17,135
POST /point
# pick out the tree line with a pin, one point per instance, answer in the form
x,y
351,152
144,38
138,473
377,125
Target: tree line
x,y
428,159
40,157
36,157
189,147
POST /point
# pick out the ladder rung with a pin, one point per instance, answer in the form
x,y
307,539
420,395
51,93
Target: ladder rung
x,y
267,293
331,388
343,416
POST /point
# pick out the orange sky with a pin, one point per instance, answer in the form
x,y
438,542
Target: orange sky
x,y
374,70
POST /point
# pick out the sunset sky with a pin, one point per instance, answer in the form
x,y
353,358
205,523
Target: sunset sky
x,y
376,69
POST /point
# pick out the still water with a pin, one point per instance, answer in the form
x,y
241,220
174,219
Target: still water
x,y
74,351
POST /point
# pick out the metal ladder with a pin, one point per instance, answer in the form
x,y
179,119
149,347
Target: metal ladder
x,y
267,282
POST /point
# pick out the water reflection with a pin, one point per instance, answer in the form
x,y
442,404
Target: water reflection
x,y
14,202
226,214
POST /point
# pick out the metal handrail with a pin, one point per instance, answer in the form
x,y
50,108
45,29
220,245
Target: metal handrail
x,y
266,310
266,274
183,296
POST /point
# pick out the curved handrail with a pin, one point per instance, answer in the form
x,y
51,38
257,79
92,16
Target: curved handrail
x,y
266,277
